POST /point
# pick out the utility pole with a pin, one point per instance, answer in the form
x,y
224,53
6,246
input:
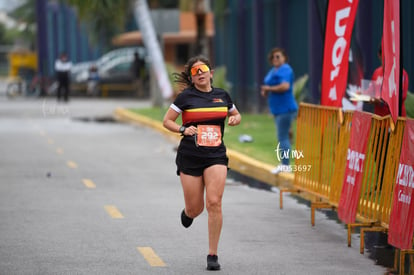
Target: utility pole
x,y
161,86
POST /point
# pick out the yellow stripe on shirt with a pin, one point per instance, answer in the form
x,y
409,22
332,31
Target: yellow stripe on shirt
x,y
208,109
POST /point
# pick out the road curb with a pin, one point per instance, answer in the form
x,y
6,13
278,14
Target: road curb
x,y
241,163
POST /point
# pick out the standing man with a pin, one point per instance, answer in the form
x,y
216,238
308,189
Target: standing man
x,y
137,72
137,66
62,68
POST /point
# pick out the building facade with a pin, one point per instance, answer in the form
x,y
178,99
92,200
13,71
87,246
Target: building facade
x,y
246,30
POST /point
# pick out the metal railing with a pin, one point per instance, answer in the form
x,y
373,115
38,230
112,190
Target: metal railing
x,y
323,136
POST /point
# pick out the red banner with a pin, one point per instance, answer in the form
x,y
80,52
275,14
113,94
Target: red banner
x,y
351,188
391,56
401,228
339,24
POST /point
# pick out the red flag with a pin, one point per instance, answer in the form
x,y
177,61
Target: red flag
x,y
339,24
391,56
351,188
401,228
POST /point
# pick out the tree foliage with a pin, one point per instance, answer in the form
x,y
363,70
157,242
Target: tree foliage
x,y
105,18
25,13
3,35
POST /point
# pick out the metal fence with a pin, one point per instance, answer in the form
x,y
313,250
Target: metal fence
x,y
323,135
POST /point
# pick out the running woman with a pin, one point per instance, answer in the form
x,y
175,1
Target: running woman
x,y
201,156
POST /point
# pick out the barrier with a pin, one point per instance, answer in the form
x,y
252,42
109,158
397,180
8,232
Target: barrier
x,y
395,144
322,136
317,138
390,165
340,158
373,191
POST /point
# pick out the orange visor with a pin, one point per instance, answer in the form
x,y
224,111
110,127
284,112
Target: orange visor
x,y
203,68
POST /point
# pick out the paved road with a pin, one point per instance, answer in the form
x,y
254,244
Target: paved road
x,y
78,196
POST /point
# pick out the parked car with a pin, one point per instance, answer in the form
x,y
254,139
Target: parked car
x,y
79,71
112,75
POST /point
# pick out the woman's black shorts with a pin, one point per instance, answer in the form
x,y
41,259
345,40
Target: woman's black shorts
x,y
195,166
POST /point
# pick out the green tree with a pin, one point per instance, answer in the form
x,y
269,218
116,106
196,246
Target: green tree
x,y
25,13
3,35
105,18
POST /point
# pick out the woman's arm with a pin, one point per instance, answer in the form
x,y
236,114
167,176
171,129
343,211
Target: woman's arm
x,y
282,87
234,118
169,122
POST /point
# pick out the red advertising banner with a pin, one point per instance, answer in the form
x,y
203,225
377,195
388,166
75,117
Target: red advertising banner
x,y
339,25
391,56
351,188
401,228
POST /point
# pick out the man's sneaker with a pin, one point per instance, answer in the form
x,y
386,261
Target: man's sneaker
x,y
281,168
185,220
212,262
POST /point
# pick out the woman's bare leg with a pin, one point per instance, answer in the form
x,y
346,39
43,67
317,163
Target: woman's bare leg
x,y
193,188
214,180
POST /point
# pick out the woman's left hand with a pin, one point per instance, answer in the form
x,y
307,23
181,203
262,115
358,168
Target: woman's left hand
x,y
263,90
234,120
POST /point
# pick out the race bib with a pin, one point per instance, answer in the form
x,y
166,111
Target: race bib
x,y
208,135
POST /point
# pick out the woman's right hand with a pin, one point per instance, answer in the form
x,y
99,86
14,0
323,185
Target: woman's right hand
x,y
190,131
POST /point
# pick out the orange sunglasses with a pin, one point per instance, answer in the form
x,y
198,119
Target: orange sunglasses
x,y
202,67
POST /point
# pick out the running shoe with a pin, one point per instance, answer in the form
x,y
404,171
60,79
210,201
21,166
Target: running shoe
x,y
212,262
185,220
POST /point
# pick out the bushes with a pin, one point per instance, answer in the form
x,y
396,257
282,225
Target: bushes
x,y
299,88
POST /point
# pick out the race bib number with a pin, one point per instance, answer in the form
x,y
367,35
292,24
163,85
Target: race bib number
x,y
208,135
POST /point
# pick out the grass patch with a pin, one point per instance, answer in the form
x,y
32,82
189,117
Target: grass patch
x,y
409,105
259,126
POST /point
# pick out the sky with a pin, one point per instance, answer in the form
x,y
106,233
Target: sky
x,y
7,5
